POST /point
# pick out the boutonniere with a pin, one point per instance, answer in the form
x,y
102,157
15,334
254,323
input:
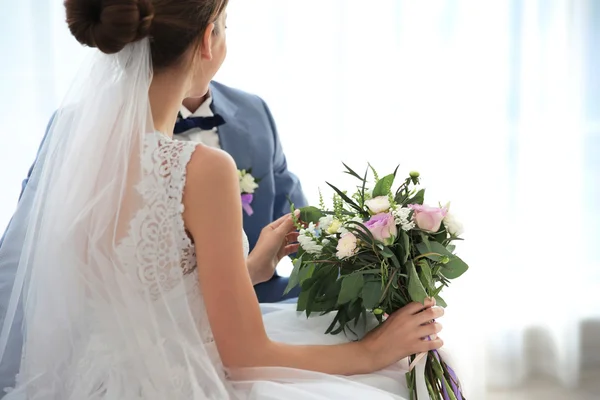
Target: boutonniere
x,y
248,184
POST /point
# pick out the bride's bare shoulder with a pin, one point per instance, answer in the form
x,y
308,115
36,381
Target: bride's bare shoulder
x,y
211,168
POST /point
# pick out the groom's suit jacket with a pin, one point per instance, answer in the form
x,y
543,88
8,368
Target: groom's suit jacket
x,y
249,135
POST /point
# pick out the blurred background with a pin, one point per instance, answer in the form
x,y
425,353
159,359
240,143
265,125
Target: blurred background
x,y
495,102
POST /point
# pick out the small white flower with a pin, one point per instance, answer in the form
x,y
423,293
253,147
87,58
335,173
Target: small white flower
x,y
401,217
325,242
247,182
346,246
309,244
378,205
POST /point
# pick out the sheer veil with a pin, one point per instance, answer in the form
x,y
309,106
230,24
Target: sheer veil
x,y
85,316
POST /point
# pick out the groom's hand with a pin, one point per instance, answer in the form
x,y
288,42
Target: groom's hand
x,y
276,240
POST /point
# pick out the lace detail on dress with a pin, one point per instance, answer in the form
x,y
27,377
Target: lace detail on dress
x,y
164,172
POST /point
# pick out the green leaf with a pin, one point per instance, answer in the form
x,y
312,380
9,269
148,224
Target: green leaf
x,y
347,199
441,235
303,300
310,214
437,291
451,248
333,323
425,273
351,172
383,186
351,287
415,287
454,268
418,198
294,277
440,302
406,246
433,250
386,252
306,273
361,234
371,294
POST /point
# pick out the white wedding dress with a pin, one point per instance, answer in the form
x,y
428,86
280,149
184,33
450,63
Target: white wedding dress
x,y
165,165
106,295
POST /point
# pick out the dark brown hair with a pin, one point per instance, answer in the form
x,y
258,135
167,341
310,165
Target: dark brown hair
x,y
172,25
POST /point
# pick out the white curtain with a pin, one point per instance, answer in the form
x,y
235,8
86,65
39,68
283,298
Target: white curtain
x,y
496,103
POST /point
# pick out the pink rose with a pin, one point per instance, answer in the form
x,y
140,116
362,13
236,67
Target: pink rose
x,y
428,218
383,228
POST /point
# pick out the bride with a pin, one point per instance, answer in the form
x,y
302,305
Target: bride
x,y
134,280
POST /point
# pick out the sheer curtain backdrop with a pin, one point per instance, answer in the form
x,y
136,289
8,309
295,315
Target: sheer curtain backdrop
x,y
496,103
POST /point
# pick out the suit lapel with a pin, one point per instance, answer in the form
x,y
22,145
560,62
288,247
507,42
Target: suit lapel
x,y
234,135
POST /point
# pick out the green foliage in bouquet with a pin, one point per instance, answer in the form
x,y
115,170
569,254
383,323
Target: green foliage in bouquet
x,y
374,251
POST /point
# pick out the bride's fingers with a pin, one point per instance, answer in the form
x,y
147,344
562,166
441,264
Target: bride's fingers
x,y
280,221
429,315
291,249
291,237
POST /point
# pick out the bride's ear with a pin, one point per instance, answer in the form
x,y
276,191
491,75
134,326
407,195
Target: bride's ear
x,y
207,42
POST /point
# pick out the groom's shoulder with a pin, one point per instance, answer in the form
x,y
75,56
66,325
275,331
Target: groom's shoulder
x,y
240,98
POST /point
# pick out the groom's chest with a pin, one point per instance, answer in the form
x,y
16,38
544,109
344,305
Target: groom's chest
x,y
250,141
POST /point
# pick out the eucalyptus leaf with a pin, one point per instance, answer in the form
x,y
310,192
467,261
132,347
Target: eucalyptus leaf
x,y
310,214
418,198
383,186
386,252
294,279
371,294
454,268
425,273
306,272
415,287
351,288
440,302
406,246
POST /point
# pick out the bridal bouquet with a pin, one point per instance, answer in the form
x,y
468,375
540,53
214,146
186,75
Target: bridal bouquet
x,y
375,251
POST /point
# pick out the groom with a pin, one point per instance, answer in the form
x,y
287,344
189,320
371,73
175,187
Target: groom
x,y
242,125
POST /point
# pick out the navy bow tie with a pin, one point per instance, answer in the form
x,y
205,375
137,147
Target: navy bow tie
x,y
205,123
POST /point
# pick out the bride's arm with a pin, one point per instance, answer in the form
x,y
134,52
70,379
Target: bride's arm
x,y
213,215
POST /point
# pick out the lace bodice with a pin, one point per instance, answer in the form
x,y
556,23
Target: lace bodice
x,y
164,177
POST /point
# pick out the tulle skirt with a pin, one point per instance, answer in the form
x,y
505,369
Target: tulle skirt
x,y
285,325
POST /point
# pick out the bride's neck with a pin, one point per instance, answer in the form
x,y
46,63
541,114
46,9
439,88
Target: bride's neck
x,y
166,93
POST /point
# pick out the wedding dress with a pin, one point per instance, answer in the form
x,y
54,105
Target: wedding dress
x,y
107,280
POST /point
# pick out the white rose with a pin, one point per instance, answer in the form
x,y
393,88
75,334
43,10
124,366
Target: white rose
x,y
247,183
346,246
454,226
378,204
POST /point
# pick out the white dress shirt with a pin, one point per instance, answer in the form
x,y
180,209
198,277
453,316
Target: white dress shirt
x,y
208,138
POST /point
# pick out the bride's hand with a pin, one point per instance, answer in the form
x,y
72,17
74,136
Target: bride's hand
x,y
277,240
404,333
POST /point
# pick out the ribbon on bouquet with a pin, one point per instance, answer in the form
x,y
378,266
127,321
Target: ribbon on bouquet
x,y
419,365
246,201
421,387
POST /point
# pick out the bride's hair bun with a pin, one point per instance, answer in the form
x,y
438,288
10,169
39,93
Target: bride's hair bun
x,y
109,25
